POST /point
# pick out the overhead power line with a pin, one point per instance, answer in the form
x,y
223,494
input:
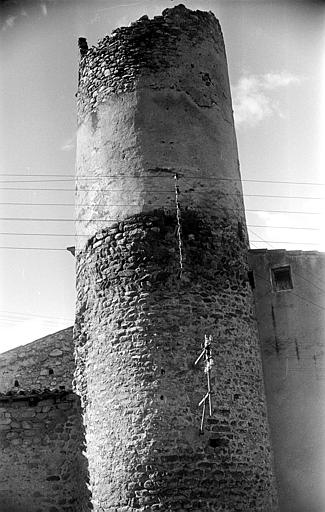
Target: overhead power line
x,y
284,242
85,190
258,236
153,176
159,192
40,234
107,219
308,281
314,276
279,197
68,180
18,314
42,204
33,248
293,293
105,204
281,227
251,241
40,219
266,280
74,234
277,242
295,273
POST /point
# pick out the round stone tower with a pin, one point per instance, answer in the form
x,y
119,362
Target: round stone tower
x,y
161,267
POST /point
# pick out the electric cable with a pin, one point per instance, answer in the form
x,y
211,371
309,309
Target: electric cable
x,y
169,174
113,205
159,192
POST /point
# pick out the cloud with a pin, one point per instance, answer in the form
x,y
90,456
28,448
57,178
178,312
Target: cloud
x,y
123,21
253,97
9,23
44,9
11,19
69,145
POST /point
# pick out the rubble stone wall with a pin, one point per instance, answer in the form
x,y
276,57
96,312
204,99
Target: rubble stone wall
x,y
41,443
162,262
45,363
43,468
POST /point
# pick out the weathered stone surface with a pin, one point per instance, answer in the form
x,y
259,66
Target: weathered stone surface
x,y
41,430
30,367
131,144
56,352
41,455
162,261
143,354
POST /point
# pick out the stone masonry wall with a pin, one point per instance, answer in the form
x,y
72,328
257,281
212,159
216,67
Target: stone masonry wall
x,y
137,344
45,363
43,468
129,54
162,262
41,442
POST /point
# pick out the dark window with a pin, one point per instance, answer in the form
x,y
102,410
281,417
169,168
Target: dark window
x,y
281,278
51,371
16,384
251,279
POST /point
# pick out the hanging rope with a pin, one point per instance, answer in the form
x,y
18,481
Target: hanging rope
x,y
207,354
179,226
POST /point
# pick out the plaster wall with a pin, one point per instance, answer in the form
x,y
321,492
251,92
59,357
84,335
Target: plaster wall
x,y
292,332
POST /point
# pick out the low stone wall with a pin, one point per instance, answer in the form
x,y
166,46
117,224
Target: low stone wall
x,y
41,443
41,429
44,363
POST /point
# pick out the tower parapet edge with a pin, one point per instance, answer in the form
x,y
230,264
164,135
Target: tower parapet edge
x,y
118,61
162,262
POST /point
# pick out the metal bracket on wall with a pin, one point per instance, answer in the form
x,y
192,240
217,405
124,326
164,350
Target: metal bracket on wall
x,y
207,355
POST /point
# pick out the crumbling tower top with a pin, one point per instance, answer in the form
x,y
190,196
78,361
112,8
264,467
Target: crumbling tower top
x,y
147,46
154,99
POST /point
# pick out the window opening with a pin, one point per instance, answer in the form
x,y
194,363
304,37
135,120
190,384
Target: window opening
x,y
281,278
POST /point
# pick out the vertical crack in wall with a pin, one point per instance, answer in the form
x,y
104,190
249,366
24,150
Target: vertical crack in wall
x,y
277,348
179,225
297,349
